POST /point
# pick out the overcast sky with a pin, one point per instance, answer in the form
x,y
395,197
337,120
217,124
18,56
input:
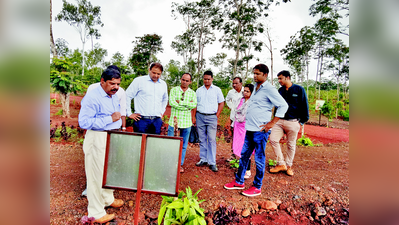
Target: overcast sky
x,y
125,19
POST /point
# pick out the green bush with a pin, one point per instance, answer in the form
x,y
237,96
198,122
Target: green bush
x,y
235,163
345,115
59,113
182,210
53,101
304,141
328,110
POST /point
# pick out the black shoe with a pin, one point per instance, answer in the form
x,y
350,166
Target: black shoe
x,y
201,163
213,168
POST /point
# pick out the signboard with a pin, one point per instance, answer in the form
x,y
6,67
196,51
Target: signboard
x,y
160,162
319,104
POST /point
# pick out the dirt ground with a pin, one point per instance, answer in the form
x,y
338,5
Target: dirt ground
x,y
318,193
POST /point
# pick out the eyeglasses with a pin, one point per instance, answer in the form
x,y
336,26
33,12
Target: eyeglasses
x,y
182,96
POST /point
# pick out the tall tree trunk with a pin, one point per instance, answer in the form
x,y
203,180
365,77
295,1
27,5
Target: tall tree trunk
x,y
83,61
321,69
52,45
317,74
237,50
307,76
64,98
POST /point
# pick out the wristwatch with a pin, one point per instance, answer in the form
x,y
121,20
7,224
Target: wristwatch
x,y
123,128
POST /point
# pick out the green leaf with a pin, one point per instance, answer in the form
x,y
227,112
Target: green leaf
x,y
179,213
201,221
196,193
172,221
161,214
176,204
168,216
189,193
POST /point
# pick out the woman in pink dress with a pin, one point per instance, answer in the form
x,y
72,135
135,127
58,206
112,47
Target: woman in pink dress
x,y
239,125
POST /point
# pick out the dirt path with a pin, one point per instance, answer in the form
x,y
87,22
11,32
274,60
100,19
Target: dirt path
x,y
320,183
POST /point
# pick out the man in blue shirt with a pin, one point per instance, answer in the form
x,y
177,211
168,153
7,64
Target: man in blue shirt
x,y
210,102
150,95
295,117
100,111
257,125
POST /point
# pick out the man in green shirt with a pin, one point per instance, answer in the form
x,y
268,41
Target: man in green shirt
x,y
182,99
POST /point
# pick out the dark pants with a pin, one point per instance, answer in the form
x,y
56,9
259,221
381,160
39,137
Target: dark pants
x,y
149,126
253,140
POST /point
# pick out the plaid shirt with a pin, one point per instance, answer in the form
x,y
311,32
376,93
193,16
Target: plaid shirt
x,y
182,110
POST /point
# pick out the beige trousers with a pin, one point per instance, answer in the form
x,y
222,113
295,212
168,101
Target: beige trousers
x,y
291,128
94,149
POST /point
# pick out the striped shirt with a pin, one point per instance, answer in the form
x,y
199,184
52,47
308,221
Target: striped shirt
x,y
209,99
182,110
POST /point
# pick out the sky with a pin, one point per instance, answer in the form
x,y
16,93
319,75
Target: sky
x,y
125,19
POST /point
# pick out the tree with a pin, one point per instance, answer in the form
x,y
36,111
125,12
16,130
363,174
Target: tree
x,y
173,73
83,17
218,61
52,45
61,46
201,17
297,53
269,45
339,54
144,52
95,56
118,60
64,82
239,24
185,46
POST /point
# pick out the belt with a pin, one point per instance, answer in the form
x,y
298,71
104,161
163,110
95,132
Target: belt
x,y
207,114
150,117
292,120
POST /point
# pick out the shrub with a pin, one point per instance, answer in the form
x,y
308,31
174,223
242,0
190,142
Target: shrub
x,y
59,113
225,215
235,163
328,110
304,141
180,210
53,101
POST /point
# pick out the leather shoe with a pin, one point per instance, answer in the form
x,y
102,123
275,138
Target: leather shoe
x,y
117,203
201,163
106,218
213,168
278,169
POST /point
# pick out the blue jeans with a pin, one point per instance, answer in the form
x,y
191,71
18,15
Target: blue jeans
x,y
207,127
258,141
148,126
185,134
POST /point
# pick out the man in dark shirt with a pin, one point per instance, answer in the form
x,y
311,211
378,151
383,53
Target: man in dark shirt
x,y
296,115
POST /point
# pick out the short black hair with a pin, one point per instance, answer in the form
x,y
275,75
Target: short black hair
x,y
114,67
191,78
250,86
284,73
262,68
157,65
239,78
208,72
111,73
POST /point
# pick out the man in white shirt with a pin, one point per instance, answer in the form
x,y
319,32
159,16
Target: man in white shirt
x,y
210,102
150,95
232,98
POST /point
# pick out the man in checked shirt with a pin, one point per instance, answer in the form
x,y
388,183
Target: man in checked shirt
x,y
182,99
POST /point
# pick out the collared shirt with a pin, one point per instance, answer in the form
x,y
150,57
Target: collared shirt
x,y
232,99
150,99
97,108
259,110
120,93
182,110
298,107
209,99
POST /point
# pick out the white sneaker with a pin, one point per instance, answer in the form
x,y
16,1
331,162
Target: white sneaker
x,y
247,174
84,193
